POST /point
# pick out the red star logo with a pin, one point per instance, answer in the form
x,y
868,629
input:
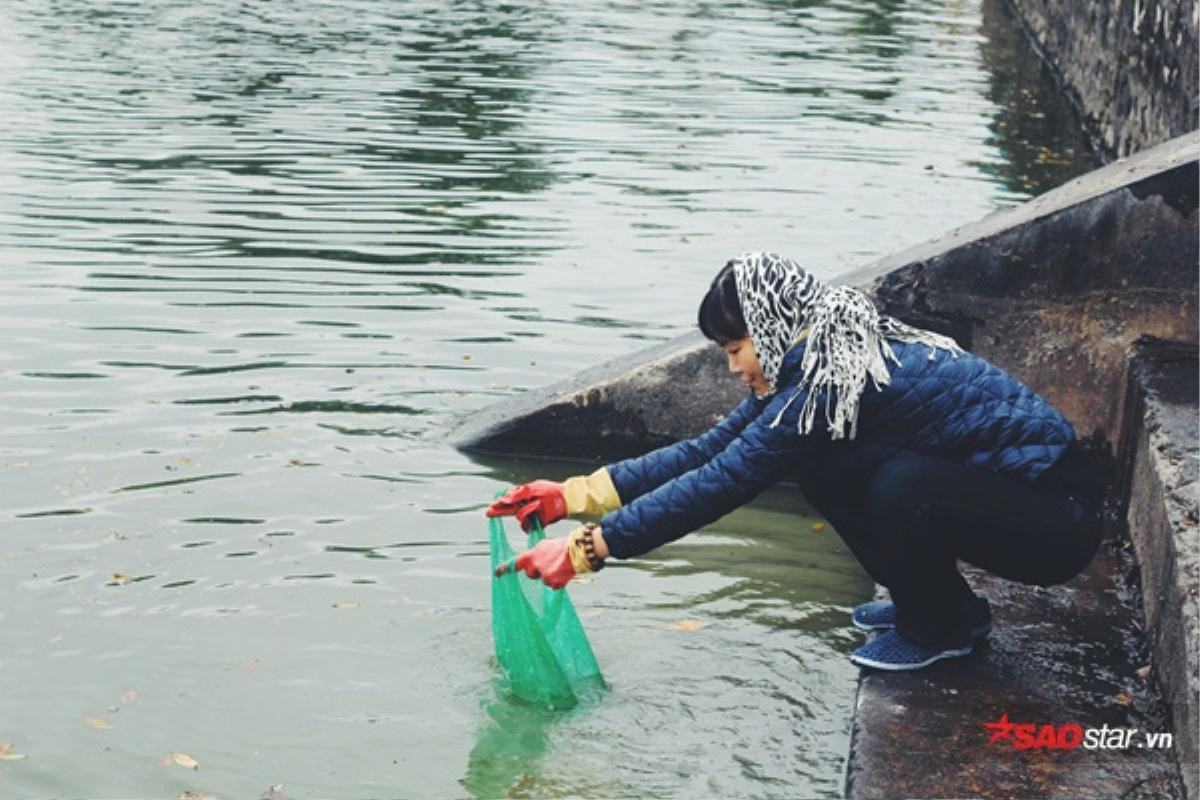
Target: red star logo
x,y
1001,728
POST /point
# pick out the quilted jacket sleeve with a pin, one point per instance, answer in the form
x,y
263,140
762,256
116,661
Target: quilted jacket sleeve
x,y
749,463
633,477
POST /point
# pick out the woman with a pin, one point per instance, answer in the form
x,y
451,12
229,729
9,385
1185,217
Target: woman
x,y
918,452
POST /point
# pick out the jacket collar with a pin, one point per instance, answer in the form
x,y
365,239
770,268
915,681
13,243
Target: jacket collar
x,y
789,367
791,360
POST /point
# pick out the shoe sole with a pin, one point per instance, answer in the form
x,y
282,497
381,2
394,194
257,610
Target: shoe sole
x,y
890,667
879,626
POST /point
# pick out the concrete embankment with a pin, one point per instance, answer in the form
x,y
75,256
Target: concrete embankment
x,y
1160,452
1057,292
1130,67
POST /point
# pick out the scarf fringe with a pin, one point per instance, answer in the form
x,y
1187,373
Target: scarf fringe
x,y
847,345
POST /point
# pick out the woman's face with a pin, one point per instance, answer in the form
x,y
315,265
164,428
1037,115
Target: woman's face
x,y
743,362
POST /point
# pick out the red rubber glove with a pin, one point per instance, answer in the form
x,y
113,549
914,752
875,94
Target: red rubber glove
x,y
544,498
549,560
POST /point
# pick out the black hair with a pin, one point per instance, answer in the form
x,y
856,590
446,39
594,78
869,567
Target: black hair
x,y
720,316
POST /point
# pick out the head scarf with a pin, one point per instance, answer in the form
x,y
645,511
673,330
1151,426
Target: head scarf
x,y
847,337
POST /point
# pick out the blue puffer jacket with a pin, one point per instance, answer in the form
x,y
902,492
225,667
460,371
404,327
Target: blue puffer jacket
x,y
963,409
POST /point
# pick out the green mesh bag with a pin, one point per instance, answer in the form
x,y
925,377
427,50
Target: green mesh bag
x,y
539,641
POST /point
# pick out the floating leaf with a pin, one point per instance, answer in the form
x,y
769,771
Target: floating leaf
x,y
120,579
687,625
99,723
196,796
817,527
6,753
182,759
129,697
347,604
1124,698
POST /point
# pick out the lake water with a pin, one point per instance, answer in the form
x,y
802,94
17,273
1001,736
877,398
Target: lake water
x,y
256,260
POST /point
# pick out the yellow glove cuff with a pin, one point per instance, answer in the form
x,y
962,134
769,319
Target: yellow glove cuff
x,y
591,495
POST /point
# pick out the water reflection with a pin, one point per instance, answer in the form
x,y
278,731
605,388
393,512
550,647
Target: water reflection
x,y
879,30
1042,142
471,72
514,739
509,746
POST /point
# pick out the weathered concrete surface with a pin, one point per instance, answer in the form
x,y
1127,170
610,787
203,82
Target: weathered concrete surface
x,y
620,408
1160,450
1054,291
1057,655
1131,67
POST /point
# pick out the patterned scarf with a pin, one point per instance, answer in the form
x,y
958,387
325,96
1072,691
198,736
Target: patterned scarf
x,y
847,337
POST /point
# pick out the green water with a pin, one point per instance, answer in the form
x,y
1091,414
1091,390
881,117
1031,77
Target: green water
x,y
256,259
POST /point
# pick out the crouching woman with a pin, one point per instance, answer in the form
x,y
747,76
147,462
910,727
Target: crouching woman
x,y
918,452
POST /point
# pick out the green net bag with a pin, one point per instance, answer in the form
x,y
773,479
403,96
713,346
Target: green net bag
x,y
539,641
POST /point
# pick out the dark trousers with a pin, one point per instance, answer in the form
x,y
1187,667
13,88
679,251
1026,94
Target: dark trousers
x,y
910,518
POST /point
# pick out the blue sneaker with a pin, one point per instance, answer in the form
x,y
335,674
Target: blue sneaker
x,y
881,614
891,651
874,616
